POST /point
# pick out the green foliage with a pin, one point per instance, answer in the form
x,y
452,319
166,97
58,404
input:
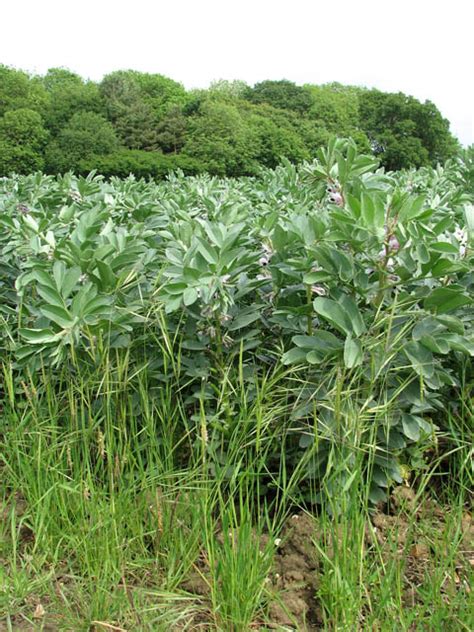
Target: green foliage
x,y
335,106
233,137
283,94
403,131
345,276
132,117
68,95
85,135
218,137
229,129
22,139
15,159
277,135
171,131
145,109
20,91
185,362
231,89
466,169
335,109
159,92
23,127
139,164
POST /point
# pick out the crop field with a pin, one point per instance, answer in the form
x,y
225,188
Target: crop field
x,y
238,404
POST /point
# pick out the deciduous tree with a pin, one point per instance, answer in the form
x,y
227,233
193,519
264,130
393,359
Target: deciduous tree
x,y
282,94
22,139
68,95
403,131
86,134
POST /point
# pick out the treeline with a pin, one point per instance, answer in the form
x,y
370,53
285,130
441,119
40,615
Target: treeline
x,y
149,124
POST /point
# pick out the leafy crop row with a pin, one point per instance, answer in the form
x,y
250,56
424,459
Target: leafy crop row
x,y
335,269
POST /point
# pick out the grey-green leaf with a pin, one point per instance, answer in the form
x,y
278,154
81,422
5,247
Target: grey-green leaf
x,y
353,354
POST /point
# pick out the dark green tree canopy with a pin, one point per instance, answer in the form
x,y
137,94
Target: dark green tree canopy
x,y
283,94
131,115
403,131
335,106
22,140
171,130
19,90
277,134
86,134
23,127
64,122
160,93
219,137
69,94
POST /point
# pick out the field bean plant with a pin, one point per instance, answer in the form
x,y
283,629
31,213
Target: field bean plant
x,y
194,370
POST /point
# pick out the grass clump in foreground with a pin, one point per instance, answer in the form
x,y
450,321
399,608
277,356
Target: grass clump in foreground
x,y
108,523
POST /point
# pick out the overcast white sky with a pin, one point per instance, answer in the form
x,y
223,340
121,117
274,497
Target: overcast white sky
x,y
420,47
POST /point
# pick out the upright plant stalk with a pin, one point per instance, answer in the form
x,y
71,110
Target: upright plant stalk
x,y
309,301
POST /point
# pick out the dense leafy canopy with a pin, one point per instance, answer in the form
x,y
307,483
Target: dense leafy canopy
x,y
333,271
22,140
131,115
403,131
229,129
19,90
68,94
86,134
284,95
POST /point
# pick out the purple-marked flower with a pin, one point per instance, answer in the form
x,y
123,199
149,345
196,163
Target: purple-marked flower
x,y
460,235
393,243
336,198
319,290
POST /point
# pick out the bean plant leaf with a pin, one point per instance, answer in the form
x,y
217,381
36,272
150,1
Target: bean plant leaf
x,y
190,296
38,336
420,358
334,313
58,315
294,356
353,354
411,427
447,299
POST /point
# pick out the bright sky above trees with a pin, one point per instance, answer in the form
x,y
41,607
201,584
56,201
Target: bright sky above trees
x,y
422,48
